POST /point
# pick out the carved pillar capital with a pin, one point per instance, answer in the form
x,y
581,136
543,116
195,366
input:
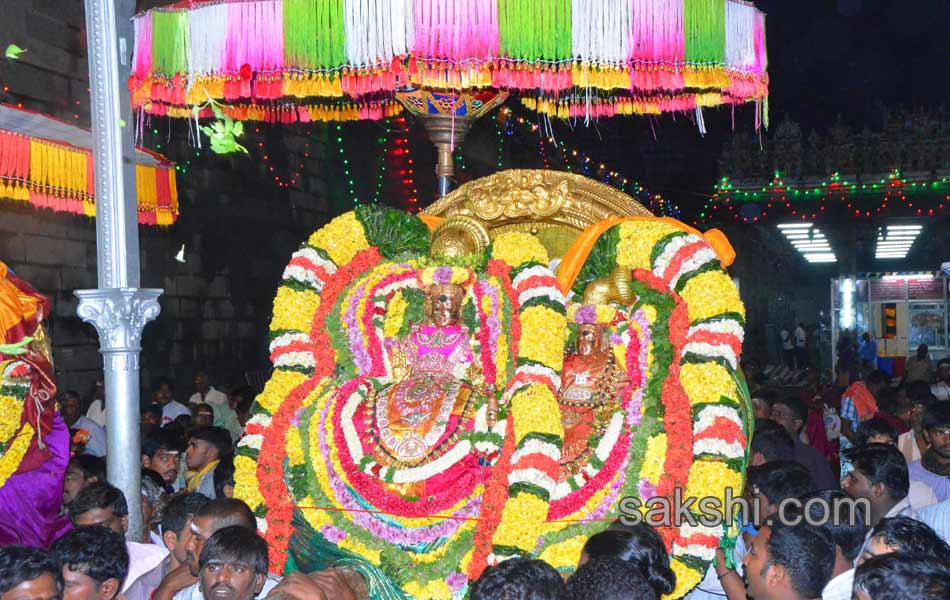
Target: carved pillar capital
x,y
119,315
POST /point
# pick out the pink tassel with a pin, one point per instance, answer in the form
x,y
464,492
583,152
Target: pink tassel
x,y
143,46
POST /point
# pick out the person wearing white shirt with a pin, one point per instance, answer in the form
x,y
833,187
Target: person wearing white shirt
x,y
71,411
97,410
844,520
205,393
941,389
163,395
879,475
913,443
104,504
937,516
801,340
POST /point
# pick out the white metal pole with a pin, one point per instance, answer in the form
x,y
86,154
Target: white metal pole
x,y
117,308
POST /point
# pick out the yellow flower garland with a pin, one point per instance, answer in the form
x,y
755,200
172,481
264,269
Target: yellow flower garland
x,y
395,315
545,344
564,555
277,388
534,409
11,409
686,579
521,520
11,459
711,478
707,382
294,310
516,248
294,447
342,238
637,239
246,486
652,466
711,293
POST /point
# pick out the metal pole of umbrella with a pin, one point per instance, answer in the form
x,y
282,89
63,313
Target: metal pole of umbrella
x,y
118,309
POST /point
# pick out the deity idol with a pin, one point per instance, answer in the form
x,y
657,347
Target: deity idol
x,y
433,393
588,396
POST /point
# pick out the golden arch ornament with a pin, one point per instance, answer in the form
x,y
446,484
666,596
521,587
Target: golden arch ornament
x,y
673,320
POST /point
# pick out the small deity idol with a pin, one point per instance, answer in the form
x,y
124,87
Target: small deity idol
x,y
589,384
433,379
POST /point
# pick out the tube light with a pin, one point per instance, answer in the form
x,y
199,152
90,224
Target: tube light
x,y
794,225
847,303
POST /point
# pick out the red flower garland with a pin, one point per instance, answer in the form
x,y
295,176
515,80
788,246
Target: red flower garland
x,y
678,414
270,464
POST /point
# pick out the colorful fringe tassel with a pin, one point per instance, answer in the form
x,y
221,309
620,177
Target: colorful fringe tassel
x,y
247,51
50,175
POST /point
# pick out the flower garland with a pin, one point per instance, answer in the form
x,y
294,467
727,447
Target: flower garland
x,y
15,434
680,423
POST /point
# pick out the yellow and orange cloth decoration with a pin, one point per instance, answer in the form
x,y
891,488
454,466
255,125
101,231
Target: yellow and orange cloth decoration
x,y
58,173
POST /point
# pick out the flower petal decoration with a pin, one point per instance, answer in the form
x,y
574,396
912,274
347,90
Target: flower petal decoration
x,y
309,465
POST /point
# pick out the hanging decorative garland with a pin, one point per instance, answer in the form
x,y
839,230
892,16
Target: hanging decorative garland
x,y
271,58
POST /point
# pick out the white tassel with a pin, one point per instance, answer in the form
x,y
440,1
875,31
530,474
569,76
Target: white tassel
x,y
700,122
740,31
207,32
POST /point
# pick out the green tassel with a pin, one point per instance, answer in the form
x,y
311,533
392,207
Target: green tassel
x,y
313,34
704,23
169,42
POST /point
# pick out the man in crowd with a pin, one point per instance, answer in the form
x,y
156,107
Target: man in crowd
x,y
95,562
29,574
913,443
858,404
605,578
205,393
203,415
933,469
801,345
867,351
70,407
176,535
182,582
770,442
789,562
880,477
161,452
790,412
153,497
207,447
163,394
919,367
879,431
941,389
903,534
233,565
83,470
103,504
902,576
844,522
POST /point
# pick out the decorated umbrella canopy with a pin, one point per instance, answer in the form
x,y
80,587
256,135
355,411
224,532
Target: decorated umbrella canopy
x,y
306,60
48,163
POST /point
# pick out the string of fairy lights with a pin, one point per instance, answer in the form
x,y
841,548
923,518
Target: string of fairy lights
x,y
864,199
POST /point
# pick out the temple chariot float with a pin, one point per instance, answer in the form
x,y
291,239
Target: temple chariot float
x,y
489,379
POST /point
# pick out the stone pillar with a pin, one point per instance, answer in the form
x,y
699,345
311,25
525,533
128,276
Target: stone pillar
x,y
117,308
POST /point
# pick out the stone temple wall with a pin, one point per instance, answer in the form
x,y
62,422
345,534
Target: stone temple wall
x,y
237,226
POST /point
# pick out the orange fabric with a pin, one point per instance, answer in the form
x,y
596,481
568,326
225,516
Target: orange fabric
x,y
577,254
16,306
431,221
575,257
864,402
